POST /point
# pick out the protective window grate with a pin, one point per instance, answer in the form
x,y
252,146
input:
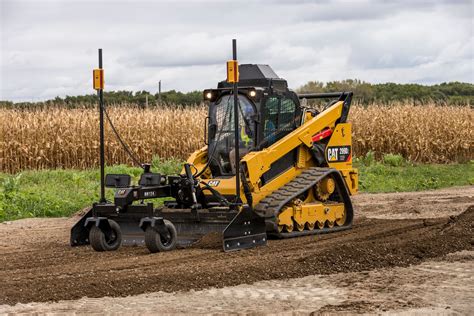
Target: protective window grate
x,y
280,118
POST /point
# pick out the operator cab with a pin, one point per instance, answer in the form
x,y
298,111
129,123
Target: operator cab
x,y
268,111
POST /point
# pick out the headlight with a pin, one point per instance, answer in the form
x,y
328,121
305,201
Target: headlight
x,y
209,95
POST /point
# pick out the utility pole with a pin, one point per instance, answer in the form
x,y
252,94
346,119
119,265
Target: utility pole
x,y
159,92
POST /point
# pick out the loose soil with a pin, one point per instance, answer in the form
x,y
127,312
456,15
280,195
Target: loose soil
x,y
433,287
37,264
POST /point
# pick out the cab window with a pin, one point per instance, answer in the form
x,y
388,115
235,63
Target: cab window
x,y
279,119
270,119
286,116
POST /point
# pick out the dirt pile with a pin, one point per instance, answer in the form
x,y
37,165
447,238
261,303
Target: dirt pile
x,y
209,241
404,243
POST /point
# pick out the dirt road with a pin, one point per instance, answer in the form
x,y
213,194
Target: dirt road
x,y
399,244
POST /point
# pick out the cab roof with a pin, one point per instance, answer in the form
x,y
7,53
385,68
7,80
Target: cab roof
x,y
257,75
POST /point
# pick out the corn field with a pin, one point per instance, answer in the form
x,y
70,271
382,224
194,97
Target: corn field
x,y
68,138
427,134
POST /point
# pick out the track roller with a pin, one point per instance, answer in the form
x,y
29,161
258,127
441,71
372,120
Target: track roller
x,y
299,227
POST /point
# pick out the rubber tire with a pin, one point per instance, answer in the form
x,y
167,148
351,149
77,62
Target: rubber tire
x,y
98,241
153,240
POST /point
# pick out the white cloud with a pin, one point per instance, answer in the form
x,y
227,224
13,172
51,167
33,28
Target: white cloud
x,y
49,48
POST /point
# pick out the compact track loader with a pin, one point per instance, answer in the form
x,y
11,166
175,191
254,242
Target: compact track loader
x,y
292,165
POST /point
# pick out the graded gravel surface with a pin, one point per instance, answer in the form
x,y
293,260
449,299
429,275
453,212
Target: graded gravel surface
x,y
392,234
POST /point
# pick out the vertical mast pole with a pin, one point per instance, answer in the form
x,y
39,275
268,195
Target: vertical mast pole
x,y
100,92
236,127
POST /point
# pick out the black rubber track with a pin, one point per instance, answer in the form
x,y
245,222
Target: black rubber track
x,y
271,206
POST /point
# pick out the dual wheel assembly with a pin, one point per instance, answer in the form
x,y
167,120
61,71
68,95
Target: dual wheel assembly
x,y
111,239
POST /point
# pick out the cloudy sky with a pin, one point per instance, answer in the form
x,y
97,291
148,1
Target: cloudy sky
x,y
49,48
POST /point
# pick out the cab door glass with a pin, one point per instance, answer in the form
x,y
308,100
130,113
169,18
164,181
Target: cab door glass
x,y
221,132
246,122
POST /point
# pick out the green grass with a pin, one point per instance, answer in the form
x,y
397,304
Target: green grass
x,y
379,177
53,193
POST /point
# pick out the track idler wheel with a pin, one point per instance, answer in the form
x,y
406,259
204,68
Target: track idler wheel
x,y
341,221
156,242
106,241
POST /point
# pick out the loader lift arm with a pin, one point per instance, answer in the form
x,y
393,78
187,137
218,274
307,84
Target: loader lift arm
x,y
260,162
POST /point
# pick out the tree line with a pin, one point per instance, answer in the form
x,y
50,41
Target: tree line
x,y
452,93
116,98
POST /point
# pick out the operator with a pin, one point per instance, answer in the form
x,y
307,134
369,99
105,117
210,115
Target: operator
x,y
246,131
